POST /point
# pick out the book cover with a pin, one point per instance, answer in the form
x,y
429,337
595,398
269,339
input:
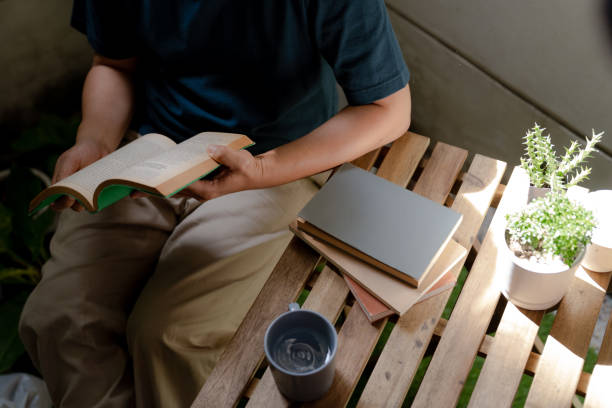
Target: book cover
x,y
383,224
375,310
394,293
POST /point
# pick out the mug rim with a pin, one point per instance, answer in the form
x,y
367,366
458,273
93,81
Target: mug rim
x,y
293,373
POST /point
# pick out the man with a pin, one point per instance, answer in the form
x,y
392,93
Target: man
x,y
175,277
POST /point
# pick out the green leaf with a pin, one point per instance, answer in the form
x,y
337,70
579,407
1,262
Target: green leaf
x,y
28,235
28,276
6,227
11,347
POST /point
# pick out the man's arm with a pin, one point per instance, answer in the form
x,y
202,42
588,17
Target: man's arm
x,y
351,133
107,106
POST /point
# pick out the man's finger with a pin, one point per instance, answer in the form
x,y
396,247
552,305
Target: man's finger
x,y
62,203
138,194
77,206
64,168
226,156
202,190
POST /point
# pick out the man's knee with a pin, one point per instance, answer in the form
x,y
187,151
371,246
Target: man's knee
x,y
29,327
49,318
159,333
149,332
43,321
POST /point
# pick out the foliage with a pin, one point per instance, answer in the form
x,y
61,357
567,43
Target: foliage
x,y
23,239
23,246
40,145
546,169
553,225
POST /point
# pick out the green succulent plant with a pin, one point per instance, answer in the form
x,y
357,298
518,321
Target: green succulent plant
x,y
546,169
553,225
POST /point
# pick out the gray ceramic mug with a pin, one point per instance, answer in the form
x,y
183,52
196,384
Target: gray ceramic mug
x,y
301,348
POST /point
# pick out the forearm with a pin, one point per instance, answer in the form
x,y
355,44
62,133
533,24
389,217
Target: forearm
x,y
351,133
108,102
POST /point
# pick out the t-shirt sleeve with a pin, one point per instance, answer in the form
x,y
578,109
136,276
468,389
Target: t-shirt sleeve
x,y
109,26
356,38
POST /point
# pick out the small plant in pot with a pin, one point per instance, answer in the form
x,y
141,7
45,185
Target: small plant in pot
x,y
546,240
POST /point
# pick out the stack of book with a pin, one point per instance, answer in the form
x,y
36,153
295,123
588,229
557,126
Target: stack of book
x,y
394,247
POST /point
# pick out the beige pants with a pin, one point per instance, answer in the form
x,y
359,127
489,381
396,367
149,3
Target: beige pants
x,y
137,301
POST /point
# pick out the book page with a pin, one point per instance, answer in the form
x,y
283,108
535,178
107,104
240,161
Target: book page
x,y
177,160
87,179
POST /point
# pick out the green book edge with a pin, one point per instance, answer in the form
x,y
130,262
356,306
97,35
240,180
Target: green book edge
x,y
115,192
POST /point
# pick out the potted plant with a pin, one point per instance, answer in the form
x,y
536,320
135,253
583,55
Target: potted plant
x,y
545,241
546,171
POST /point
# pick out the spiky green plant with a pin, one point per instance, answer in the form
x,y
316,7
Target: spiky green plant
x,y
546,169
553,225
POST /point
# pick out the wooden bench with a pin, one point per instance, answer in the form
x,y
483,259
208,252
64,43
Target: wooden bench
x,y
241,377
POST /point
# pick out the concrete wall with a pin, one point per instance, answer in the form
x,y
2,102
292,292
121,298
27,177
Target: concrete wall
x,y
43,59
483,71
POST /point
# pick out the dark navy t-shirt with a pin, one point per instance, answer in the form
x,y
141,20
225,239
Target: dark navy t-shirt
x,y
264,68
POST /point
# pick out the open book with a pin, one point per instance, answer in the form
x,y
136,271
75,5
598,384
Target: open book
x,y
152,163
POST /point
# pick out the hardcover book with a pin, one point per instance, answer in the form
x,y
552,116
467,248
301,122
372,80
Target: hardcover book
x,y
375,310
394,293
152,163
383,224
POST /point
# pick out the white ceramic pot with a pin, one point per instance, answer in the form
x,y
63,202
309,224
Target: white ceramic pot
x,y
530,285
598,256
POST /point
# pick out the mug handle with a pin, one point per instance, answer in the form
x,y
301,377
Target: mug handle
x,y
293,307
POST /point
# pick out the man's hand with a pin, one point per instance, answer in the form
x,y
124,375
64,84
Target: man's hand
x,y
242,171
72,160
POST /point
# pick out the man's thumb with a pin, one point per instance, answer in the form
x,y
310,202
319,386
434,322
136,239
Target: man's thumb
x,y
224,155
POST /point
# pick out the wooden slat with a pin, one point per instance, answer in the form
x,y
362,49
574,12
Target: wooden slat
x,y
349,365
475,195
405,347
326,297
507,358
558,372
403,352
245,351
457,349
445,163
532,362
356,340
357,359
367,160
599,393
399,167
498,195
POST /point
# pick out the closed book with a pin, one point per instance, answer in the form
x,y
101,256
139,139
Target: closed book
x,y
394,293
383,224
373,308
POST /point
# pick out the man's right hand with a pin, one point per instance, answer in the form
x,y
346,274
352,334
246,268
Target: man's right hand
x,y
82,154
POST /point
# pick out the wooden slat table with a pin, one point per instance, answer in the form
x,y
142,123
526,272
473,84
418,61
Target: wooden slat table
x,y
241,377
